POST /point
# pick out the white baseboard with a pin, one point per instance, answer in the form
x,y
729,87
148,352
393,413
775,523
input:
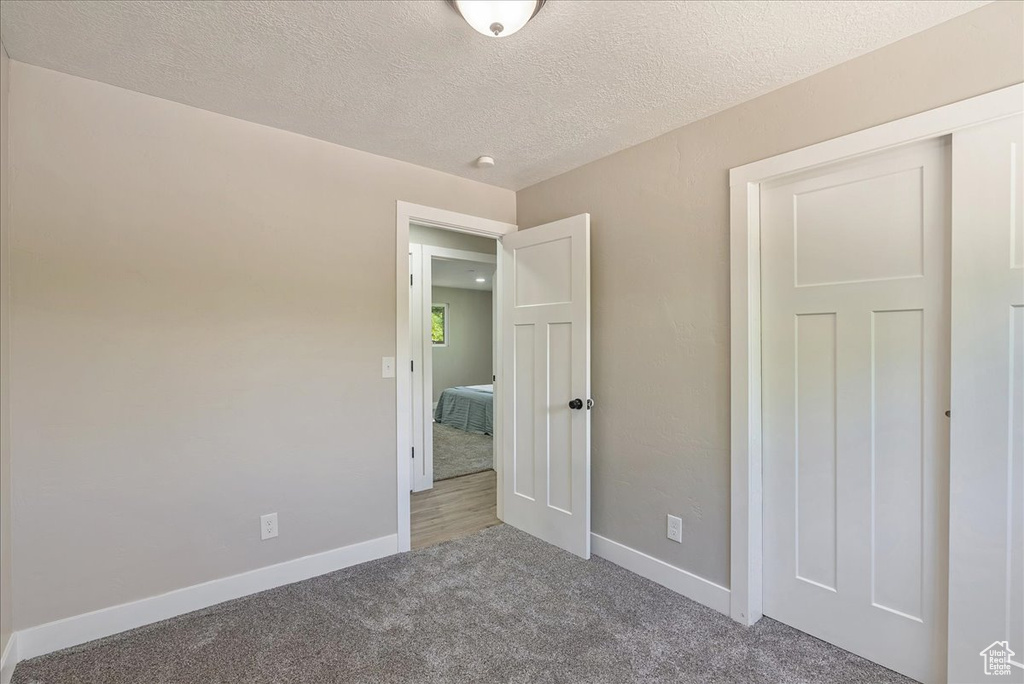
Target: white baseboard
x,y
678,580
9,659
53,636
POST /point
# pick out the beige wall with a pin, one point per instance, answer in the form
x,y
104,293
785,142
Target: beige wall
x,y
200,308
467,360
5,366
661,271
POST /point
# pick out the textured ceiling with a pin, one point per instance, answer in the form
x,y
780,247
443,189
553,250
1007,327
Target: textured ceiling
x,y
411,80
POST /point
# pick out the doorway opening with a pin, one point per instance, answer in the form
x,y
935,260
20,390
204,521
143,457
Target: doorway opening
x,y
540,370
463,492
453,332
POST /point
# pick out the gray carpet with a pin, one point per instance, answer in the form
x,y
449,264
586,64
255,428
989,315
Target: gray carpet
x,y
498,606
457,452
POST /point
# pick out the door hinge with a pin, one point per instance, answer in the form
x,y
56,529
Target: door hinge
x,y
410,280
412,366
414,452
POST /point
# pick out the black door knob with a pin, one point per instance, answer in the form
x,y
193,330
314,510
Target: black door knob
x,y
576,404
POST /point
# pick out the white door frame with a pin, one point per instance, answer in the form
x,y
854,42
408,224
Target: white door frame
x,y
745,305
427,253
407,213
416,359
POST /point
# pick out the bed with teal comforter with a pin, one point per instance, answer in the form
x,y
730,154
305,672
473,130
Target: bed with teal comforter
x,y
468,408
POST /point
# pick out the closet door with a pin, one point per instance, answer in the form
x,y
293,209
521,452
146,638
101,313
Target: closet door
x,y
986,536
855,358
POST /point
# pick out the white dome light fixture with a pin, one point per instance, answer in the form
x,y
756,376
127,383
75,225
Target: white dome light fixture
x,y
497,18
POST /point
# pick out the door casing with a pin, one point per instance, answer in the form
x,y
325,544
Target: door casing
x,y
408,213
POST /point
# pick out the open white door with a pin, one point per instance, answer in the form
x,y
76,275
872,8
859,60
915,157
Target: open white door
x,y
545,387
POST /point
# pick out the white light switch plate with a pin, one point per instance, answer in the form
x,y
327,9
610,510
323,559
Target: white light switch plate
x,y
268,526
675,529
387,367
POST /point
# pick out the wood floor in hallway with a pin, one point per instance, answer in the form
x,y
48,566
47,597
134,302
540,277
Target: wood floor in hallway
x,y
454,508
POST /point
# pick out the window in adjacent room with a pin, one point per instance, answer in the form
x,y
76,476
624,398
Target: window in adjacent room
x,y
439,324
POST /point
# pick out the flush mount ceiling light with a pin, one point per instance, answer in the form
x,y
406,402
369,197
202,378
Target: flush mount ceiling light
x,y
497,18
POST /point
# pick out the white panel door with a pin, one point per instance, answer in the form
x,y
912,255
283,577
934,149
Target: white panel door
x,y
545,383
855,358
986,537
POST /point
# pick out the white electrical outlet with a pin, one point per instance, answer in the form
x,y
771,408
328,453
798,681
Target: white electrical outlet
x,y
675,529
268,526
